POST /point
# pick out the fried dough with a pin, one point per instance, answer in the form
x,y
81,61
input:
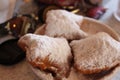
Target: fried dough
x,y
61,23
51,55
96,53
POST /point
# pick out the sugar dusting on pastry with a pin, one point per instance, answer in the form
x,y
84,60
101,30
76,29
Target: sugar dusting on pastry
x,y
61,23
48,54
96,53
43,46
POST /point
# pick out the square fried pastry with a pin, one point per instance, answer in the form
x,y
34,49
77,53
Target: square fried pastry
x,y
61,23
49,54
96,53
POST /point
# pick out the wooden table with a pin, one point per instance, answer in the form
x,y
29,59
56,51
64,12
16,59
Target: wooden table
x,y
21,71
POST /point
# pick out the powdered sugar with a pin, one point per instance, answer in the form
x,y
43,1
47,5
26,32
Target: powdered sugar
x,y
42,46
65,24
96,52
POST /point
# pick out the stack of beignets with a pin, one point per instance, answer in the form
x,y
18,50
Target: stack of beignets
x,y
50,51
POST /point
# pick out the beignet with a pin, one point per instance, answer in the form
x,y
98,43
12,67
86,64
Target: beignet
x,y
48,54
61,23
96,53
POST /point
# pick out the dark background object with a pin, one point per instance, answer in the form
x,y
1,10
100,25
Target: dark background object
x,y
44,9
10,52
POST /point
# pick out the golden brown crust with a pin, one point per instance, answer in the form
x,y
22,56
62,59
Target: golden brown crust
x,y
52,67
89,71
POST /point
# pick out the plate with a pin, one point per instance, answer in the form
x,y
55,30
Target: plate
x,y
91,27
112,74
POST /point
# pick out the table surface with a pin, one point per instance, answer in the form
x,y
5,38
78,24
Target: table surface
x,y
21,71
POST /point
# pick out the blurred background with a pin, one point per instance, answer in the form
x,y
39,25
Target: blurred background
x,y
90,8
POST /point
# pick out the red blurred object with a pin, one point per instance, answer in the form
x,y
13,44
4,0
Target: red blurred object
x,y
66,2
89,8
96,12
59,2
71,2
